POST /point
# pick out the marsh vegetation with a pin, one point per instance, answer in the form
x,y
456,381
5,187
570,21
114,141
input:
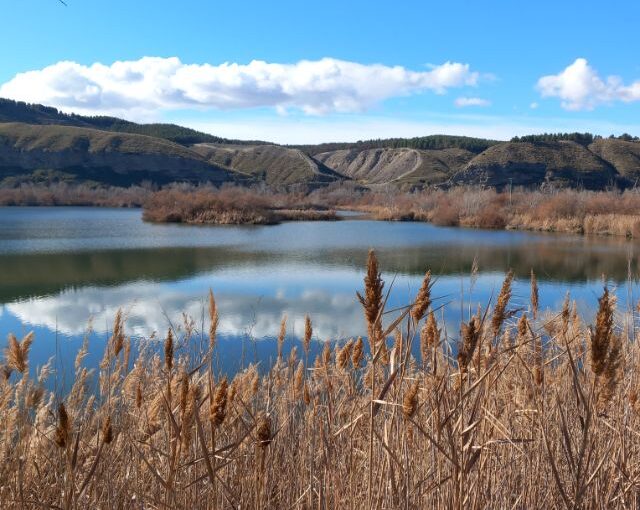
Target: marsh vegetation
x,y
519,408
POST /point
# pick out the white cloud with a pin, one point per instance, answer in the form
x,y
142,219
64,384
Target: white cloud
x,y
141,87
534,106
580,87
461,102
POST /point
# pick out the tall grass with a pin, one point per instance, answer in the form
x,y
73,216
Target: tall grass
x,y
59,194
572,211
584,212
521,409
229,205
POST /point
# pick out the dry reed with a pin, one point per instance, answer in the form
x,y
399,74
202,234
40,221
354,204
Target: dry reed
x,y
545,416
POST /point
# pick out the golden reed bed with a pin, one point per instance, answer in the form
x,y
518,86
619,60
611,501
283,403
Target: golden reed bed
x,y
522,410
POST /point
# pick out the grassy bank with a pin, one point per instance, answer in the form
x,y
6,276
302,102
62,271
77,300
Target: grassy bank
x,y
582,212
64,194
523,408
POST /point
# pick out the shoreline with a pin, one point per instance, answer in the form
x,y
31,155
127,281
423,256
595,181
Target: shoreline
x,y
603,225
603,213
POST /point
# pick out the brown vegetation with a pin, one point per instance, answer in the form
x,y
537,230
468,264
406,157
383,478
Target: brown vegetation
x,y
229,205
534,413
585,212
72,194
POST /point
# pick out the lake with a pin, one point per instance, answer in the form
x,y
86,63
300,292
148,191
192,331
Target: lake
x,y
64,272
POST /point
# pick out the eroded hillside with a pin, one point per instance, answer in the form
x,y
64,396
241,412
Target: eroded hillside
x,y
273,164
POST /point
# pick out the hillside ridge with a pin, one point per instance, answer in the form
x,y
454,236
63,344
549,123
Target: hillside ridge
x,y
112,151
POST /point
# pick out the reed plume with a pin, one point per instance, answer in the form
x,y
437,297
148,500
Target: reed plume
x,y
263,431
63,428
357,353
423,300
534,295
344,355
213,320
184,391
326,355
298,379
523,329
429,336
281,336
219,403
308,332
107,431
500,313
372,300
168,351
410,400
601,336
117,338
470,335
17,353
188,418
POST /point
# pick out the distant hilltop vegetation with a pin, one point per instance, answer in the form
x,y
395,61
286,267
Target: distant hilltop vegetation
x,y
42,145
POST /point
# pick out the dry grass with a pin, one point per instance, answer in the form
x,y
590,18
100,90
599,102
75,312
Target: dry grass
x,y
59,194
584,212
229,205
570,211
533,413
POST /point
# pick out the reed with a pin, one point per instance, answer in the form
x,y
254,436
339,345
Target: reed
x,y
522,412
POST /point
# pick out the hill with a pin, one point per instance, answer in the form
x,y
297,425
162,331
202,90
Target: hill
x,y
402,167
431,142
16,111
532,164
623,155
82,154
273,164
41,144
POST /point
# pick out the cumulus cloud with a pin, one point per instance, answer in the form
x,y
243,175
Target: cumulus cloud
x,y
144,86
462,102
580,87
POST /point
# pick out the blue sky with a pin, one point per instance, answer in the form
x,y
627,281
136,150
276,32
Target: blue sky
x,y
332,70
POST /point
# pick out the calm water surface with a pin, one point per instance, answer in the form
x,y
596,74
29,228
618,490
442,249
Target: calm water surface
x,y
64,272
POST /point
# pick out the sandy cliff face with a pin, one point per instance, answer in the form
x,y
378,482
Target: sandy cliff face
x,y
399,166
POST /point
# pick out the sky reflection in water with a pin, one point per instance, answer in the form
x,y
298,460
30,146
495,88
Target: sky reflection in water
x,y
61,268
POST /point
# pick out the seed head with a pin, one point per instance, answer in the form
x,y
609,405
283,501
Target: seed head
x,y
410,401
213,320
372,300
168,351
63,428
358,353
423,300
308,332
263,431
219,404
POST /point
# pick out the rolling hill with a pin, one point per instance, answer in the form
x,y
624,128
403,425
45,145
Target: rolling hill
x,y
41,144
401,167
16,111
273,164
83,154
532,164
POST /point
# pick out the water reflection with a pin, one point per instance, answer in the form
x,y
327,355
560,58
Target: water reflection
x,y
54,280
